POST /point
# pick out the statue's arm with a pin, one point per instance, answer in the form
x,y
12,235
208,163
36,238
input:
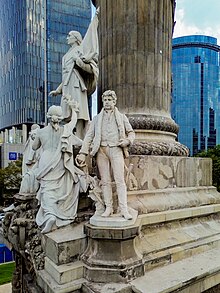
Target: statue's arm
x,y
129,130
58,91
84,66
88,139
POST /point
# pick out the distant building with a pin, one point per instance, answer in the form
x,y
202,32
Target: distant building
x,y
196,91
33,41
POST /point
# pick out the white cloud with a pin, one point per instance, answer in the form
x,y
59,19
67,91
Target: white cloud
x,y
183,29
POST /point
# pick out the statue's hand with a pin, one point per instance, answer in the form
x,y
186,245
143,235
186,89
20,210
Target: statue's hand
x,y
80,160
53,93
124,142
79,62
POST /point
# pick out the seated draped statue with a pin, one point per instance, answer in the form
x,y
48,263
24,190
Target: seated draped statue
x,y
29,184
60,180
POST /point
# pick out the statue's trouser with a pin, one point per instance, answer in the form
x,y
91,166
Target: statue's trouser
x,y
111,159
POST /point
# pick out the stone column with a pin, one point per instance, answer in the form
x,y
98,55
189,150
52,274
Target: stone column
x,y
135,61
24,133
6,136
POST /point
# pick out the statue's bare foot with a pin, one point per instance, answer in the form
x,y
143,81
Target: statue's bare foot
x,y
49,225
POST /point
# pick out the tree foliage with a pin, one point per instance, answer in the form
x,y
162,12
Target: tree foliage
x,y
214,154
10,179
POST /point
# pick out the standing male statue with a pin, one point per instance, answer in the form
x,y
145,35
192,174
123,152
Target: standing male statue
x,y
79,73
109,135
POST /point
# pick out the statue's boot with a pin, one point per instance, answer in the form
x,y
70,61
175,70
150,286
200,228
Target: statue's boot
x,y
122,200
108,212
107,195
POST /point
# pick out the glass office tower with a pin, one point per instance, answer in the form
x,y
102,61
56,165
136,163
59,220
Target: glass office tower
x,y
196,91
32,43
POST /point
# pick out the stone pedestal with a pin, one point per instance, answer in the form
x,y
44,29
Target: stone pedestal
x,y
110,255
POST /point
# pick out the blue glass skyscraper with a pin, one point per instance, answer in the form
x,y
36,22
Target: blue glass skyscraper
x,y
196,91
32,43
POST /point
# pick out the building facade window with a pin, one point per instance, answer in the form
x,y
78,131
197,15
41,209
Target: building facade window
x,y
33,41
196,91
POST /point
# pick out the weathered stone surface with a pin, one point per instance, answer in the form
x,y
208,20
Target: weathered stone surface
x,y
195,274
145,201
64,273
66,244
49,285
155,172
110,255
174,239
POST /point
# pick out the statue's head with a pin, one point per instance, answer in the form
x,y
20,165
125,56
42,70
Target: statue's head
x,y
74,37
55,115
33,132
109,100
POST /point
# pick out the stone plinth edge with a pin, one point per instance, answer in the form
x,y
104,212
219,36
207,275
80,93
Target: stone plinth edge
x,y
111,233
114,221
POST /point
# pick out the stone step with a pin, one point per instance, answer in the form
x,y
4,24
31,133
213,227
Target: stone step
x,y
66,244
49,285
191,275
179,235
64,273
178,214
178,253
158,200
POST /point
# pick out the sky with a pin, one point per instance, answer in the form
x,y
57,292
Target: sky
x,y
197,17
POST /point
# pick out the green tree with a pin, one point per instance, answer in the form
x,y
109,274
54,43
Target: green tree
x,y
214,154
10,179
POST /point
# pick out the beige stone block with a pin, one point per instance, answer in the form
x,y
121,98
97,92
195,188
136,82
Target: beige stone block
x,y
49,285
66,244
178,214
64,273
152,218
178,254
210,282
216,208
195,288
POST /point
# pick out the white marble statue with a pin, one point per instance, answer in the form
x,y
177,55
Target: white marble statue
x,y
29,184
109,135
79,73
60,180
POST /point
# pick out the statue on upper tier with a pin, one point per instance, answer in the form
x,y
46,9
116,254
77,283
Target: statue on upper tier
x,y
80,73
60,180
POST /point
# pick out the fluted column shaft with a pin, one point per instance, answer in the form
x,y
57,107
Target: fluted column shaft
x,y
135,61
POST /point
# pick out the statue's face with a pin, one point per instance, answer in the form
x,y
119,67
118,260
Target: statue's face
x,y
108,102
55,121
71,39
33,134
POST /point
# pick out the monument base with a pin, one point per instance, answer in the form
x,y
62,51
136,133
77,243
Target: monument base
x,y
110,255
114,221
